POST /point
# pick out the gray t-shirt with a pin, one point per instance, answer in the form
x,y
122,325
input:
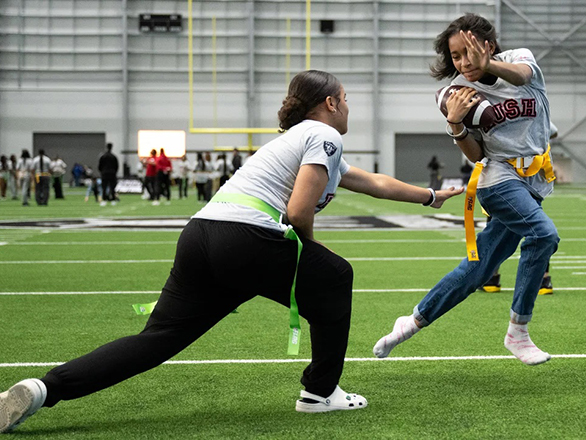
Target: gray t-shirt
x,y
271,172
523,126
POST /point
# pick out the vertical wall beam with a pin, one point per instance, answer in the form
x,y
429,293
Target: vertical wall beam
x,y
251,77
376,83
497,18
20,42
125,107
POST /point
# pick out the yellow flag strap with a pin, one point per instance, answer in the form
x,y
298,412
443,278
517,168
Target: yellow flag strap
x,y
527,167
471,249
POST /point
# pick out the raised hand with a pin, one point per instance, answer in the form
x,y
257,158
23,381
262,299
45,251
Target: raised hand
x,y
478,54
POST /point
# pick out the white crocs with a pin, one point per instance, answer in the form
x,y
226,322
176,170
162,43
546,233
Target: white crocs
x,y
338,400
19,402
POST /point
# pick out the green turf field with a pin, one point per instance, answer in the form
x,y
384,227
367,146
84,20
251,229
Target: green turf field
x,y
66,290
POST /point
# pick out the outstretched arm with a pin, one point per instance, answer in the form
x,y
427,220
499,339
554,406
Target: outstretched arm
x,y
382,186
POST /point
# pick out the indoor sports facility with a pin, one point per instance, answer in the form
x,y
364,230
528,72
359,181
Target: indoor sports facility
x,y
209,77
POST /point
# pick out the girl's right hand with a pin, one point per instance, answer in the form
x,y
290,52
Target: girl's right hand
x,y
460,102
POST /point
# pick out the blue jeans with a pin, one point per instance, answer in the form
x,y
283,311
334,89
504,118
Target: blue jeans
x,y
515,214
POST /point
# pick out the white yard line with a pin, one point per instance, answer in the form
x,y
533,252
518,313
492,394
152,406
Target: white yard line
x,y
570,260
290,361
142,292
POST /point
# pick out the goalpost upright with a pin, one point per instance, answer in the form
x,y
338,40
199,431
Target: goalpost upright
x,y
250,130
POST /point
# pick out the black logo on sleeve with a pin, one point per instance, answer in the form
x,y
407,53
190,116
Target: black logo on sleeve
x,y
330,148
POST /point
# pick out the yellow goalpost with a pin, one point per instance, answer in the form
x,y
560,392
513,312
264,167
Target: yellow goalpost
x,y
249,131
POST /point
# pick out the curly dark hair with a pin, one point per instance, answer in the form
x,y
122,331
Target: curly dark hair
x,y
306,90
479,26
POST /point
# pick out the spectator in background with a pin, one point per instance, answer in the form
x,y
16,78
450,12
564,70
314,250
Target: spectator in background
x,y
164,169
202,177
223,168
77,173
435,180
24,167
12,177
108,167
58,168
183,170
42,166
4,175
236,160
150,179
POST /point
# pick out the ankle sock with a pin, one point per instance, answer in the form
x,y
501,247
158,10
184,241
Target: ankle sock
x,y
518,342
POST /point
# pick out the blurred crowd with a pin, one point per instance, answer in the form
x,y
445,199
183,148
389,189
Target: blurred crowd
x,y
20,177
158,173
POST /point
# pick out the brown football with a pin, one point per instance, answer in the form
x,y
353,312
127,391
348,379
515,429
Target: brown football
x,y
481,115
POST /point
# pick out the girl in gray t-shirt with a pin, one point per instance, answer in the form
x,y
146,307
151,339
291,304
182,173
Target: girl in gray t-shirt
x,y
468,50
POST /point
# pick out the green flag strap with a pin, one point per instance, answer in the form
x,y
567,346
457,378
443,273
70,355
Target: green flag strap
x,y
144,309
260,205
246,200
294,324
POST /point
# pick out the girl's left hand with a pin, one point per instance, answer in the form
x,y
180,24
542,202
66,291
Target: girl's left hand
x,y
478,54
444,194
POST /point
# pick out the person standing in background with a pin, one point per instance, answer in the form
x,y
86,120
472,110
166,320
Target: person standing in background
x,y
12,178
150,178
4,175
202,176
236,160
108,167
183,170
24,167
164,169
58,168
41,167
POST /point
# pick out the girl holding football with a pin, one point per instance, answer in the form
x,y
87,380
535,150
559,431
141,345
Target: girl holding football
x,y
512,81
260,226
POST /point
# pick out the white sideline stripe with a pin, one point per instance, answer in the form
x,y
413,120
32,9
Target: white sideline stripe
x,y
95,292
85,261
514,257
86,243
349,241
292,361
142,292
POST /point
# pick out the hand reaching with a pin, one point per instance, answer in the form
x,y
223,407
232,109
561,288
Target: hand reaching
x,y
444,194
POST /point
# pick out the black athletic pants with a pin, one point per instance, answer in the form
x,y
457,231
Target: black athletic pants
x,y
199,293
42,190
109,187
163,186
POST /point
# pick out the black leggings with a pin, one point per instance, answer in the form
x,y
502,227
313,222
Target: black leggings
x,y
200,292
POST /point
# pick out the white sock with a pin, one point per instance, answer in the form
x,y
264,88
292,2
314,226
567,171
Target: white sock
x,y
403,329
518,342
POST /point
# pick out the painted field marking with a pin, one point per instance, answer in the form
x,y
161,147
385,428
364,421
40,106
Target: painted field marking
x,y
358,259
142,292
291,361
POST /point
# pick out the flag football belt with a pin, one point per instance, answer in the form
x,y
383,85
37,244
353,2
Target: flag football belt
x,y
259,205
525,167
529,166
39,175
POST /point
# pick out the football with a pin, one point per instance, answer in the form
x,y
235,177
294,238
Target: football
x,y
481,115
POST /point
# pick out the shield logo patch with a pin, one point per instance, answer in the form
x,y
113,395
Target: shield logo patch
x,y
330,148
